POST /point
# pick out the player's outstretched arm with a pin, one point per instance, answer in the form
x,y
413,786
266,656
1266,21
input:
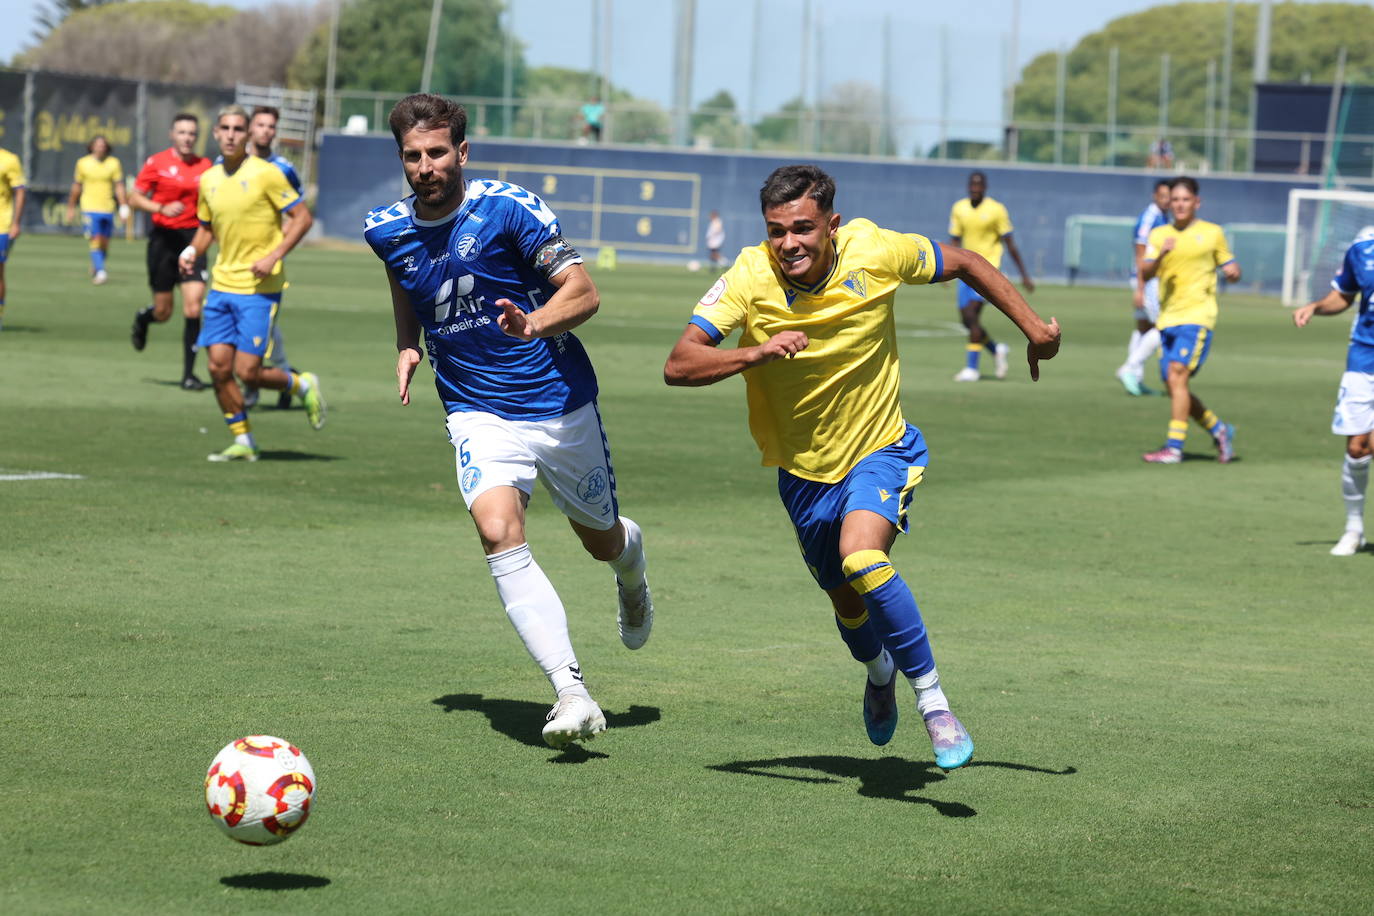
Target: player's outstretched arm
x,y
975,270
20,196
72,198
1333,303
408,354
1231,270
575,301
696,360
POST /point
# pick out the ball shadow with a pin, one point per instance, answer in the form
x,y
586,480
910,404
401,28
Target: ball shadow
x,y
274,881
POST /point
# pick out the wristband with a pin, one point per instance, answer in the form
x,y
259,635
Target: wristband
x,y
123,211
188,252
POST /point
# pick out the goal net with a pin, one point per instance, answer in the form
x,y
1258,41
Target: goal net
x,y
1321,226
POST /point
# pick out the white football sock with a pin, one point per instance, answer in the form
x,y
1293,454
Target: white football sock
x,y
929,697
629,566
1130,347
537,614
880,669
245,439
1354,481
1142,349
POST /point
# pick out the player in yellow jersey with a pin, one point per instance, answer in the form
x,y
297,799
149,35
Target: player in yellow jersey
x,y
818,350
12,195
983,225
98,183
247,205
1185,255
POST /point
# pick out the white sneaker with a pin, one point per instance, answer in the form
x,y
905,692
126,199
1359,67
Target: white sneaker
x,y
100,277
1349,544
636,618
967,375
999,355
575,717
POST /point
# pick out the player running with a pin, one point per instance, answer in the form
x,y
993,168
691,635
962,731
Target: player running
x,y
12,195
1354,417
1145,336
484,270
257,218
982,225
818,353
168,187
1185,255
98,183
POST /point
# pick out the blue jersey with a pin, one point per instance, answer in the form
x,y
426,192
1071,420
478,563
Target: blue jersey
x,y
1149,218
1357,276
502,242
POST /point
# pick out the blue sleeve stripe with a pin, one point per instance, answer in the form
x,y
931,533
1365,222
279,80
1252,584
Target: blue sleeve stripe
x,y
205,224
710,329
939,262
1232,261
292,204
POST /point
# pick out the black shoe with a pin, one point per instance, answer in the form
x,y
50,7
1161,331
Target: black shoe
x,y
250,398
284,400
191,383
138,334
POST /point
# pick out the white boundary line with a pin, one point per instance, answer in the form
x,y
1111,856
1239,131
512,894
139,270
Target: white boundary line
x,y
40,475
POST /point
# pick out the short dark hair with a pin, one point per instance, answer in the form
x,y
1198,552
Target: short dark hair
x,y
791,182
978,175
1163,183
90,147
1185,181
185,116
433,111
265,109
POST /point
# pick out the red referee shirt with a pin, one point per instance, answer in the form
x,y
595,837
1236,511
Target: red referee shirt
x,y
166,177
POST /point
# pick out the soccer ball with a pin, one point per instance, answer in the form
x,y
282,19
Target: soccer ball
x,y
258,789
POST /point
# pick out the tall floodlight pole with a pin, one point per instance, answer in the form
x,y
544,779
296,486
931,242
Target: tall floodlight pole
x,y
754,70
1113,65
944,92
434,15
1330,172
1013,69
682,71
1226,86
1209,144
508,77
1266,12
331,103
886,146
1059,107
804,125
607,17
1163,97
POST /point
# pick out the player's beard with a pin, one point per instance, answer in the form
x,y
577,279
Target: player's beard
x,y
440,196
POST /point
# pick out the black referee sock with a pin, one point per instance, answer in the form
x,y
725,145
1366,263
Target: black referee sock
x,y
189,334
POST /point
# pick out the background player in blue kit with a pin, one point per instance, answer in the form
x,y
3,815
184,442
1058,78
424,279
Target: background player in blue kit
x,y
483,269
1145,296
1354,417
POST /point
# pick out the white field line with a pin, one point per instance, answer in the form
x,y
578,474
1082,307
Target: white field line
x,y
39,475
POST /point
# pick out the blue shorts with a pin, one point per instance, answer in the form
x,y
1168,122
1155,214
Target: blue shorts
x,y
242,320
967,294
97,224
1184,343
882,482
4,247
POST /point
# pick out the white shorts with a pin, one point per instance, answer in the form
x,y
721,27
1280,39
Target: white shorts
x,y
1151,309
1354,405
568,454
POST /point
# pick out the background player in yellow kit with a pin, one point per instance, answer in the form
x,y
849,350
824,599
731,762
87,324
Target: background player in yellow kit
x,y
982,224
1185,255
12,194
819,357
98,183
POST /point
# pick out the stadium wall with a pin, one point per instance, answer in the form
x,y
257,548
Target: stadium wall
x,y
653,204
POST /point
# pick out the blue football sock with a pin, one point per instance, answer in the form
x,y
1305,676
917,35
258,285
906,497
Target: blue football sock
x,y
98,259
860,636
972,353
893,610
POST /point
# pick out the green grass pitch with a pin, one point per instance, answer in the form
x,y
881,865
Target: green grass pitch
x,y
1166,675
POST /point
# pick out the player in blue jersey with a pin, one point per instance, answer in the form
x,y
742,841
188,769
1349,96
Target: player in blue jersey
x,y
482,269
262,133
1354,417
1145,296
818,352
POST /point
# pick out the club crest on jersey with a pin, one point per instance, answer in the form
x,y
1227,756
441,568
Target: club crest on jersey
x,y
854,282
592,487
468,247
791,296
471,478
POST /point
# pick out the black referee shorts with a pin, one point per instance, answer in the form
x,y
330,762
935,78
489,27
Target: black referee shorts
x,y
164,247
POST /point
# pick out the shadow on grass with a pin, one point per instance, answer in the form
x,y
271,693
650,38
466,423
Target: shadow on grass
x,y
1199,456
523,721
268,454
274,881
888,777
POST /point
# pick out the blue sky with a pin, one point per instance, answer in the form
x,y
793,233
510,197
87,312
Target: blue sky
x,y
974,32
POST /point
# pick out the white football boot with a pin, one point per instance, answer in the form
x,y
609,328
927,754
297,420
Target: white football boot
x,y
967,374
575,717
636,617
999,355
1349,544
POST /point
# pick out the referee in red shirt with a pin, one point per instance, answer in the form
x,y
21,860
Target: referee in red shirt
x,y
169,187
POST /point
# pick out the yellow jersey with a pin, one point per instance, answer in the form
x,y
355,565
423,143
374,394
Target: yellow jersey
x,y
97,178
11,177
1188,273
819,413
243,211
980,228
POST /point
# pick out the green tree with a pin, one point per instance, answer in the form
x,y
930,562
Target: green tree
x,y
55,12
551,105
717,121
1305,40
782,130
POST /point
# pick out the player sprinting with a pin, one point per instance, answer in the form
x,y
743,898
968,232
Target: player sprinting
x,y
98,183
1354,417
1185,255
982,225
1145,296
819,357
12,195
262,133
247,206
483,269
168,187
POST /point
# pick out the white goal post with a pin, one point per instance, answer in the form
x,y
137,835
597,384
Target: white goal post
x,y
1321,225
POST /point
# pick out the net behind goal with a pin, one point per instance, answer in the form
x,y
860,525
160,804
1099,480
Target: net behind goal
x,y
1321,226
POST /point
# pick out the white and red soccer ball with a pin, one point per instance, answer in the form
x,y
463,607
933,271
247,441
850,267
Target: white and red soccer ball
x,y
258,789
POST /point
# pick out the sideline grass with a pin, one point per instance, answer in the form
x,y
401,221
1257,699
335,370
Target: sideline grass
x,y
1163,670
